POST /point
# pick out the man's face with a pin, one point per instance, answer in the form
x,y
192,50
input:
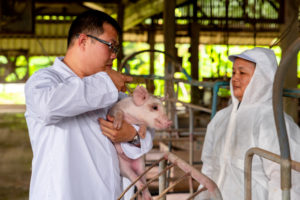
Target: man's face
x,y
99,55
242,73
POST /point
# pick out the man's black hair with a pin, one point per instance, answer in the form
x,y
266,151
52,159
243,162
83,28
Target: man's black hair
x,y
91,21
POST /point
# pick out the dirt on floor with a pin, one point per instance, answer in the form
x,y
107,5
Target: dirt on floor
x,y
15,157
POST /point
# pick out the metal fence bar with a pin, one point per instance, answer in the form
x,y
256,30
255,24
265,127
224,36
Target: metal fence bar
x,y
188,170
195,107
191,127
267,155
139,177
199,177
216,88
191,141
152,179
196,193
173,185
162,178
285,166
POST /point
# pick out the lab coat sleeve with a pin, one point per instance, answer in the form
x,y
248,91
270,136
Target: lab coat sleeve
x,y
134,152
51,98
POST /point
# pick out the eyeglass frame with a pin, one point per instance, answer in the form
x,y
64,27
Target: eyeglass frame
x,y
114,49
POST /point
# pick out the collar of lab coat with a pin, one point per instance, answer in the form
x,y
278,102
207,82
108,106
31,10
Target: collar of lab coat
x,y
62,68
259,89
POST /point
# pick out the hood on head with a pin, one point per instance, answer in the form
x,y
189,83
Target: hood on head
x,y
259,89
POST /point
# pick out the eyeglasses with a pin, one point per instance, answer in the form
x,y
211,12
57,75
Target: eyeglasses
x,y
114,49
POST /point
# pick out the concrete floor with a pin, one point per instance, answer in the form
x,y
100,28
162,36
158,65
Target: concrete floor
x,y
16,156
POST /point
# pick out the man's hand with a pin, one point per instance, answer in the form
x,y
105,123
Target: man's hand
x,y
119,79
124,134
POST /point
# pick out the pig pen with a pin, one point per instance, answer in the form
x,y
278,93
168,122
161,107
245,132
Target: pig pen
x,y
16,157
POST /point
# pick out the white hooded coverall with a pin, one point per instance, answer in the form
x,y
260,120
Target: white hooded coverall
x,y
236,129
72,159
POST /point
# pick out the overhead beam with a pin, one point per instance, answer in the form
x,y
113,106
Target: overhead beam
x,y
143,9
273,5
94,6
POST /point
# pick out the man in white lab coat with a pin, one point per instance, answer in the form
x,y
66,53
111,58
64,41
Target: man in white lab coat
x,y
248,122
72,159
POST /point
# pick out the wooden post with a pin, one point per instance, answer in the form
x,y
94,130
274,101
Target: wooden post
x,y
151,41
196,96
291,8
169,43
120,19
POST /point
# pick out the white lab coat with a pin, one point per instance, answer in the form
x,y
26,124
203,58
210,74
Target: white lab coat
x,y
72,159
236,129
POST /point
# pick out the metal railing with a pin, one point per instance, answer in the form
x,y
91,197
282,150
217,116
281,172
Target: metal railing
x,y
284,159
286,164
267,155
190,172
168,161
191,108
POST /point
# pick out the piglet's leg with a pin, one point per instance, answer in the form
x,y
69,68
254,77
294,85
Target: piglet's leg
x,y
118,119
119,149
127,170
138,166
142,131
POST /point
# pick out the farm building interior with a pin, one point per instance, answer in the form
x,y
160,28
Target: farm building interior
x,y
178,38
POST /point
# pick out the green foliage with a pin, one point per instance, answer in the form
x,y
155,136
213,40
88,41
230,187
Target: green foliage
x,y
39,62
20,68
213,63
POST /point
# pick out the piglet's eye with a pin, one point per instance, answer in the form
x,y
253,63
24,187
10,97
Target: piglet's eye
x,y
154,107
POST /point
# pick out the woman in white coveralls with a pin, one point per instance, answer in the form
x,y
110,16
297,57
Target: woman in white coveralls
x,y
248,122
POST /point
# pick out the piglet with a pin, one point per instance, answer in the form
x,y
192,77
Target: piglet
x,y
145,110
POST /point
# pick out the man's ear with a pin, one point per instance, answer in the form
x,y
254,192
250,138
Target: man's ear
x,y
140,95
82,41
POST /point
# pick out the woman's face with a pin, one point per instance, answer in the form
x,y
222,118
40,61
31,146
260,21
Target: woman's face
x,y
242,73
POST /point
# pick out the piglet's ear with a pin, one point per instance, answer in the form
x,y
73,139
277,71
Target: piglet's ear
x,y
140,95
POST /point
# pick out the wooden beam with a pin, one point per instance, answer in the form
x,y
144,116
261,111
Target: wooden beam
x,y
169,44
290,32
143,9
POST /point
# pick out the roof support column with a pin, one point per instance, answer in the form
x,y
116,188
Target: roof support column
x,y
151,41
120,19
169,43
194,59
290,26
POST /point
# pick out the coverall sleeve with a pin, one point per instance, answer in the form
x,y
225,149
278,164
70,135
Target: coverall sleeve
x,y
268,140
50,98
207,151
207,159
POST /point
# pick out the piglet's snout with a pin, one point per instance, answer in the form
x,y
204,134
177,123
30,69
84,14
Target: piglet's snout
x,y
163,123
